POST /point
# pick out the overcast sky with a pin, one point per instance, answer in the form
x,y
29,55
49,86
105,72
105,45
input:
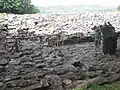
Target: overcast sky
x,y
45,3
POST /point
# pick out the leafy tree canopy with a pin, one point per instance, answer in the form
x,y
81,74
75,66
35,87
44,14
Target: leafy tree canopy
x,y
17,7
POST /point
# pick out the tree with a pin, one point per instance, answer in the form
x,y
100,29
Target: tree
x,y
17,7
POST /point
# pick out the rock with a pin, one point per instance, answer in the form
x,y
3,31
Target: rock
x,y
67,81
45,55
103,80
64,69
42,74
71,75
27,52
3,27
25,59
54,81
30,75
2,69
2,53
60,54
12,75
81,84
46,44
18,55
110,66
78,64
12,67
10,78
27,83
77,84
77,39
37,87
36,55
2,76
15,61
44,83
42,65
3,62
12,84
1,84
28,64
115,68
91,68
91,74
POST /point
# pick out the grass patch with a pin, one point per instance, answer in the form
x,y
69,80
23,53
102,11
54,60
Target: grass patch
x,y
112,86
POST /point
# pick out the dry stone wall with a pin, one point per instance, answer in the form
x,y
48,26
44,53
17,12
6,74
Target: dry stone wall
x,y
39,66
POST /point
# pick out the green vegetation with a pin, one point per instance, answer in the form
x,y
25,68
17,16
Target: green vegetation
x,y
17,7
113,86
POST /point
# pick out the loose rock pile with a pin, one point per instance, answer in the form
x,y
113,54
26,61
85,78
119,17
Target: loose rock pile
x,y
41,66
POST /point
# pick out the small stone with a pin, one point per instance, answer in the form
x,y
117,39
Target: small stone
x,y
28,64
1,84
3,62
37,87
46,44
2,69
82,85
17,55
67,82
13,83
14,61
42,65
60,54
44,83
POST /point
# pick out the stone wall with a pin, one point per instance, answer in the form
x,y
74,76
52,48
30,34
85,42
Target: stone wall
x,y
39,66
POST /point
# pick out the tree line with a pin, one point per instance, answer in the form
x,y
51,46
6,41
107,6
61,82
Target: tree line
x,y
18,7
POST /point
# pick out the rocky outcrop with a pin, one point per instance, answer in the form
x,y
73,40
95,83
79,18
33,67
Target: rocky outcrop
x,y
40,66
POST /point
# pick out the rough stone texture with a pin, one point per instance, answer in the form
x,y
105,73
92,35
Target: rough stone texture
x,y
40,66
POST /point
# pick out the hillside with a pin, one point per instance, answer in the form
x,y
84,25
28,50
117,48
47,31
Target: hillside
x,y
75,9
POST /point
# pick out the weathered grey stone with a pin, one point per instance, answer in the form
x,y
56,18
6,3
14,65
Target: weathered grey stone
x,y
15,61
2,69
27,52
1,84
76,84
28,64
11,67
91,74
12,84
17,55
3,62
55,82
67,81
44,83
64,69
2,76
42,65
10,78
21,72
35,55
60,54
37,87
26,83
103,80
71,75
25,59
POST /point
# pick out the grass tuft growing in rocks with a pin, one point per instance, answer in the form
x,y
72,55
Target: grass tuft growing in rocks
x,y
112,86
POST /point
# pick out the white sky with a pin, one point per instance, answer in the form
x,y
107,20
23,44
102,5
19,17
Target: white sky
x,y
45,3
